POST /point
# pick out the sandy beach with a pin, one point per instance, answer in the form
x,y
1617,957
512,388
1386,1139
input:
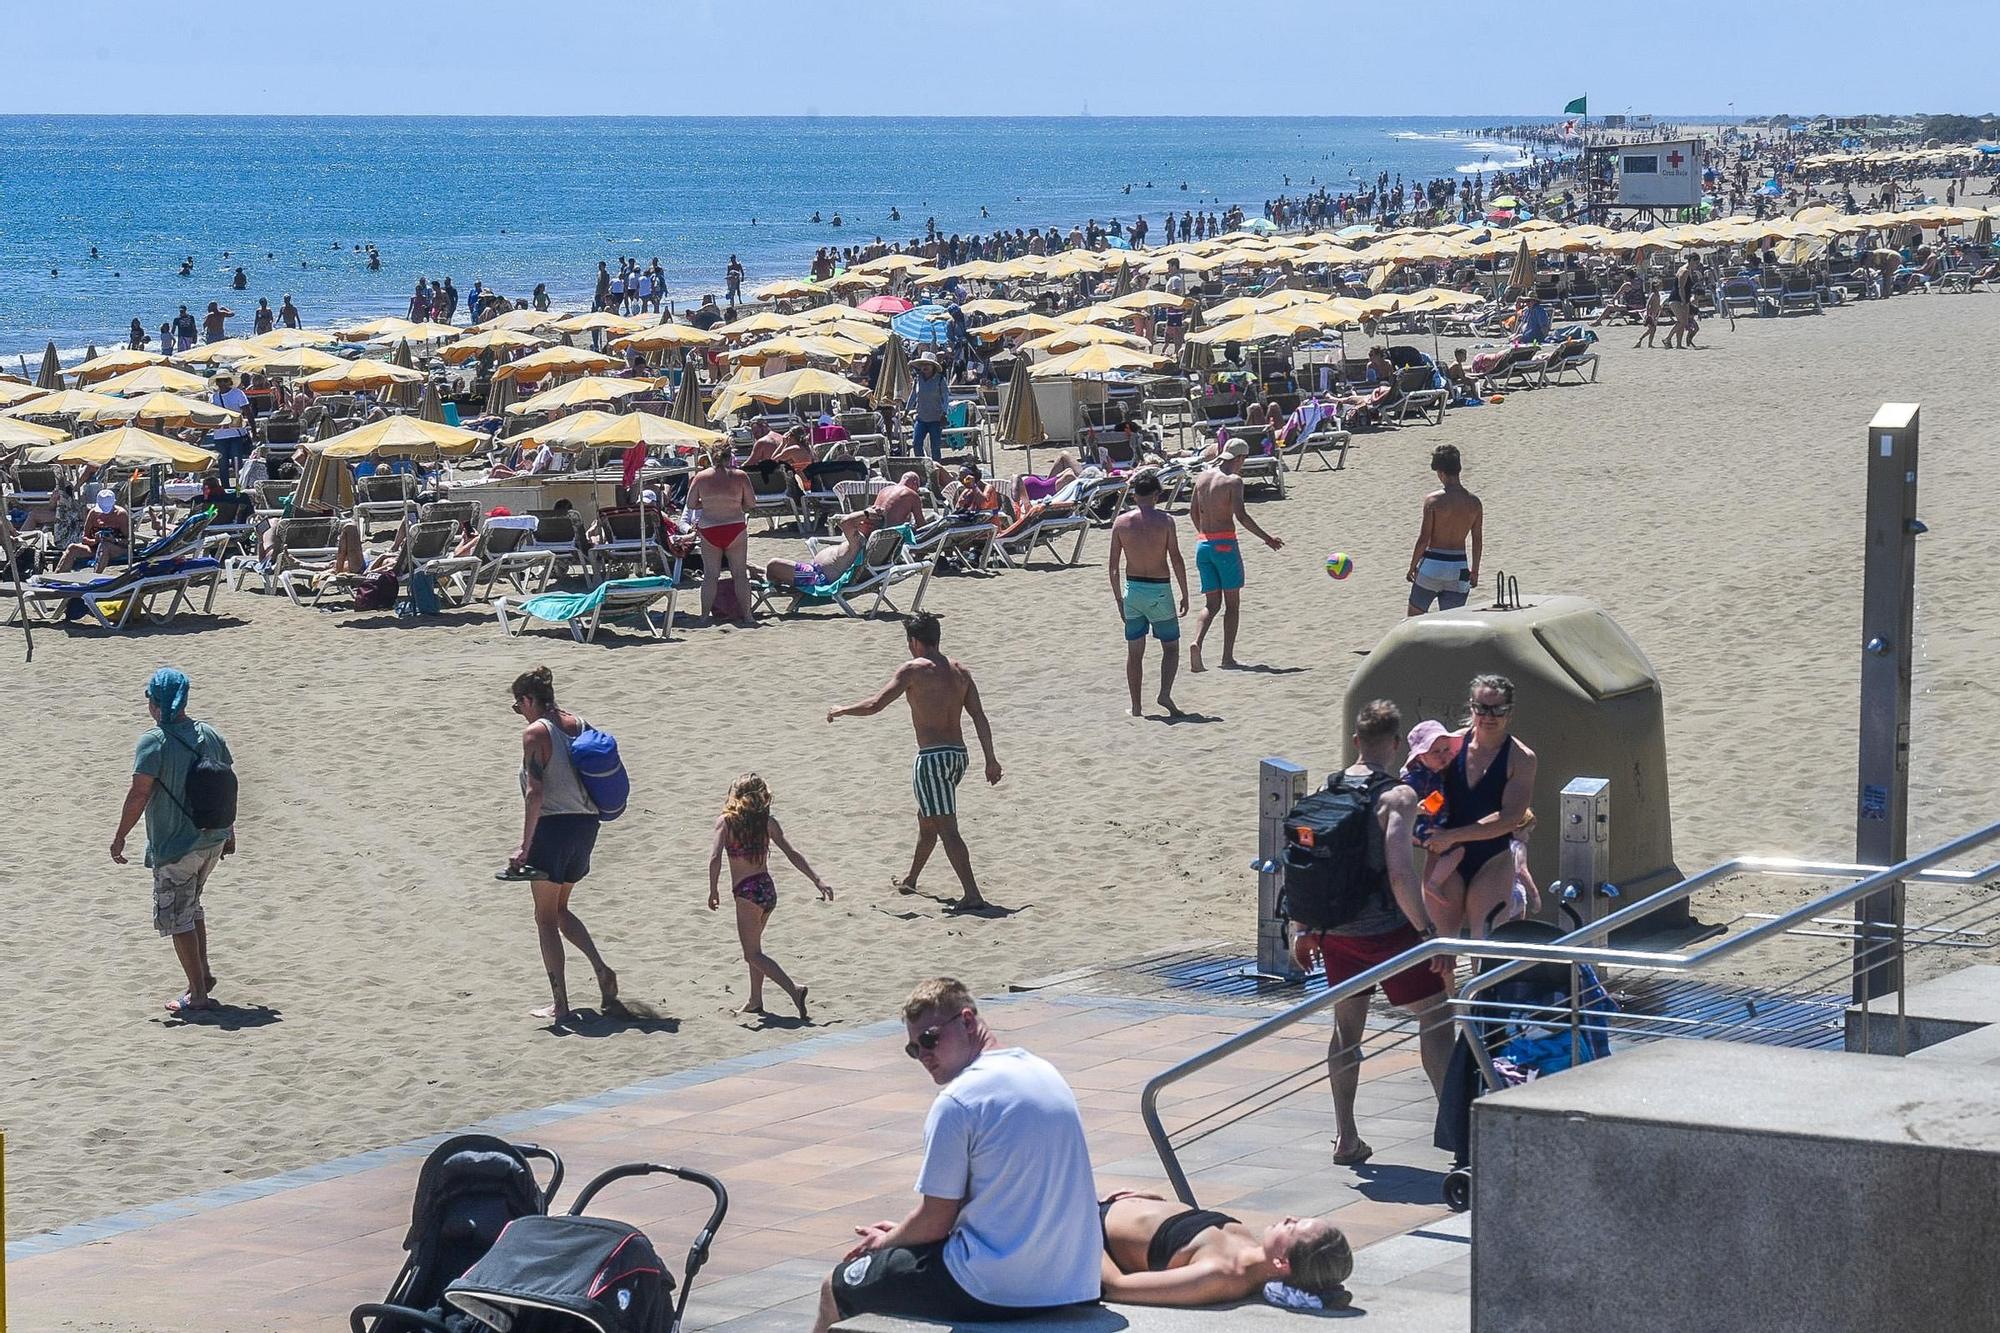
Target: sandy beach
x,y
1710,500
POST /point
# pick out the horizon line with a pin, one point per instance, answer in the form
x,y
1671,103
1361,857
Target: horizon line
x,y
1514,116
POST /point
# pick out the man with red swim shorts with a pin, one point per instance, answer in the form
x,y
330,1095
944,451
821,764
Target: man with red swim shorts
x,y
1392,923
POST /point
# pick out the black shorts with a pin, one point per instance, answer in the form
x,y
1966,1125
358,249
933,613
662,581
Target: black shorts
x,y
914,1282
561,849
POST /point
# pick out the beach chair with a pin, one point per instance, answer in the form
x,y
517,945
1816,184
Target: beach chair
x,y
893,466
1799,294
556,535
506,552
465,513
885,561
1325,437
383,499
270,497
629,535
1103,499
296,544
821,487
771,480
1569,358
865,433
964,433
1737,296
114,600
1417,392
584,613
853,496
34,484
1264,469
964,541
1044,525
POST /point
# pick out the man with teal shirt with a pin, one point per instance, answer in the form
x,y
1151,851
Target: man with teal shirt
x,y
180,855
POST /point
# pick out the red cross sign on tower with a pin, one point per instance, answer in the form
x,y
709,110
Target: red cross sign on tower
x,y
1674,159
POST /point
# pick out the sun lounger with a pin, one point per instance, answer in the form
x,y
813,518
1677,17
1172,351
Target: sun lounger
x,y
584,613
636,537
1044,525
964,540
296,543
1568,359
1323,439
384,500
112,600
506,551
556,534
885,562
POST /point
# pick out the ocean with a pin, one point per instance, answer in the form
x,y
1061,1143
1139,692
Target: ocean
x,y
514,201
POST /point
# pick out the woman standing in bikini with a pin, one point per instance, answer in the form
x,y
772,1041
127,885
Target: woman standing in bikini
x,y
1487,788
719,501
745,831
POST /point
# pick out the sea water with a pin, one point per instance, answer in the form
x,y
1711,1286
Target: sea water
x,y
513,201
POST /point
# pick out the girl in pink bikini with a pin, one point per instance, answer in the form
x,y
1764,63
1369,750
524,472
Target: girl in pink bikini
x,y
745,832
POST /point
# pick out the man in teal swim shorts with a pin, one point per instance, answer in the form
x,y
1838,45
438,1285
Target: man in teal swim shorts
x,y
1215,508
1145,542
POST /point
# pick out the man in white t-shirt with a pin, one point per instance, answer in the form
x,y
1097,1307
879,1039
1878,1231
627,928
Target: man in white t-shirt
x,y
1007,1224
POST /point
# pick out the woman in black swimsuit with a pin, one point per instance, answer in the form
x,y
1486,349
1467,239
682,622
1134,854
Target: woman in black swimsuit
x,y
1486,792
1158,1253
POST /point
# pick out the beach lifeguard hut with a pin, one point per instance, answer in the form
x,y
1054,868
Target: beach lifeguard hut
x,y
1587,702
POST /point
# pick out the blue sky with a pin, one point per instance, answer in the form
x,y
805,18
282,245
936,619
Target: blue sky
x,y
1037,57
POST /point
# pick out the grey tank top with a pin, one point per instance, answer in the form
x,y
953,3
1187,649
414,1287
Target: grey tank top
x,y
562,789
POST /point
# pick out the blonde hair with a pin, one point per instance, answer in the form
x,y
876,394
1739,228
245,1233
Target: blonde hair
x,y
941,997
747,811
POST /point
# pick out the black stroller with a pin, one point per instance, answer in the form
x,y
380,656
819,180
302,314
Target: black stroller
x,y
1524,1025
470,1188
574,1273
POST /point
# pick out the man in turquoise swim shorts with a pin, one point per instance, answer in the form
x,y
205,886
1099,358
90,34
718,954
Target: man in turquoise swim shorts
x,y
1145,542
1215,508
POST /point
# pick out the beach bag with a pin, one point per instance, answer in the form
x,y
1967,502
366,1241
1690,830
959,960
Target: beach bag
x,y
1334,863
422,599
376,594
208,797
601,771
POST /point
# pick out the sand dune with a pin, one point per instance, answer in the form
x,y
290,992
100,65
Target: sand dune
x,y
1711,500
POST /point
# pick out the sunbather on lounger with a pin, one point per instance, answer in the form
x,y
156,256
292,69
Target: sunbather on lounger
x,y
827,566
1157,1252
901,503
107,534
1029,488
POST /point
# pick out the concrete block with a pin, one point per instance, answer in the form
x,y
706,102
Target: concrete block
x,y
1981,1046
1709,1187
1933,1011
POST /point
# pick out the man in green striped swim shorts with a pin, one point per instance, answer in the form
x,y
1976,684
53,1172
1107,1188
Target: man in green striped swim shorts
x,y
940,691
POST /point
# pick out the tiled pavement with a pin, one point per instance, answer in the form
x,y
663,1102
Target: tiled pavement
x,y
811,1139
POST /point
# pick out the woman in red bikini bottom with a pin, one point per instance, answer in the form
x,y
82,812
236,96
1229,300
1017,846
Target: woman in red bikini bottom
x,y
745,832
719,499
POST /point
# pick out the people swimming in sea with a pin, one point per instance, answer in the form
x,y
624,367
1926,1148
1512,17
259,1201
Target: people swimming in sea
x,y
745,832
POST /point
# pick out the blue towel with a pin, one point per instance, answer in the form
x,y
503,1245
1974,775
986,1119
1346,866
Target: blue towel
x,y
576,605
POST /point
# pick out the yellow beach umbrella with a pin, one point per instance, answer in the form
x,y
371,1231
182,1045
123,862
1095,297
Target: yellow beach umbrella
x,y
129,446
803,346
289,362
151,379
521,321
169,410
1031,324
229,350
1261,327
893,263
285,339
400,437
1148,299
556,361
992,306
868,335
496,341
362,374
429,331
604,321
857,282
1097,360
662,337
61,403
13,391
1069,339
764,321
785,289
585,392
805,383
828,314
118,362
565,432
1237,308
17,434
650,430
389,326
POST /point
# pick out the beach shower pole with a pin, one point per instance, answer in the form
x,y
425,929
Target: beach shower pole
x,y
1888,597
1280,786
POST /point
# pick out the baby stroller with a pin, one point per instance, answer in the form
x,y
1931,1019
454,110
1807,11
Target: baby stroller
x,y
574,1273
1524,1024
470,1188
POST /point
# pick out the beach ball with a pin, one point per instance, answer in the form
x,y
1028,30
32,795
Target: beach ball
x,y
1338,565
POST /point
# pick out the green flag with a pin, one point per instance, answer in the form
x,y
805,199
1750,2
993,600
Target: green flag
x,y
1580,107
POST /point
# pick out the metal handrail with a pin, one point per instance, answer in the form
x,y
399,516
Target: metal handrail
x,y
1576,947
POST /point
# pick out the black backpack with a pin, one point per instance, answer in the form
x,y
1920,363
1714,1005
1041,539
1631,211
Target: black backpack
x,y
209,796
1334,862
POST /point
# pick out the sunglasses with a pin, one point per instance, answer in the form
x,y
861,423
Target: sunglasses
x,y
927,1040
1490,710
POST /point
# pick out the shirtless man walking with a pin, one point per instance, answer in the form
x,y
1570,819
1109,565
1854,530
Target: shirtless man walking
x,y
720,497
1145,537
1440,571
939,690
1215,509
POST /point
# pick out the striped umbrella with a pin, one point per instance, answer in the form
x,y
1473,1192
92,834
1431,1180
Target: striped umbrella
x,y
924,324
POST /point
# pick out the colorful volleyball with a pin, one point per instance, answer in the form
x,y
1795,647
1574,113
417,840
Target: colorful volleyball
x,y
1338,565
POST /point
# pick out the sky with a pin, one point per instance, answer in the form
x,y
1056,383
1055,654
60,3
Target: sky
x,y
1014,57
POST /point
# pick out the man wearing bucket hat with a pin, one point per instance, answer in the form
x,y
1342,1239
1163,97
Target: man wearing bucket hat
x,y
180,853
107,534
930,394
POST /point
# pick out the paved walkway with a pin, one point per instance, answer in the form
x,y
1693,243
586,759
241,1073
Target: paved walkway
x,y
811,1139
